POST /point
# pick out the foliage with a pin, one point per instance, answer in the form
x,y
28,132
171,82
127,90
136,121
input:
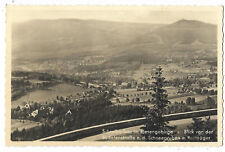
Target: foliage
x,y
201,129
83,114
190,101
155,120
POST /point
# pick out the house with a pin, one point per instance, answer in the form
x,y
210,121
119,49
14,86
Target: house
x,y
169,60
124,85
42,108
51,110
34,113
114,84
82,82
68,113
91,85
27,106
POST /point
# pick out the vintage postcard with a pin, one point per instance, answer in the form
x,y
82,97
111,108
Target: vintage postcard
x,y
114,75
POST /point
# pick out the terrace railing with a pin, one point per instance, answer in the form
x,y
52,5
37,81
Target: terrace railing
x,y
98,129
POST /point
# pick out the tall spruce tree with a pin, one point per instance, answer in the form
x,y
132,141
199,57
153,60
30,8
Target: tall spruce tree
x,y
155,120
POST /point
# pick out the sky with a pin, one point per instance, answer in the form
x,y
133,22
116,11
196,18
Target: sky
x,y
156,15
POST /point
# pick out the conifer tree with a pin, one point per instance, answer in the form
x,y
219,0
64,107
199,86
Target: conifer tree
x,y
203,126
155,120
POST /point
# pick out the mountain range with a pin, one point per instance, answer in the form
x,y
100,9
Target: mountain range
x,y
38,40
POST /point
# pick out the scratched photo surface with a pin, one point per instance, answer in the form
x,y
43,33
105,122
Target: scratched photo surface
x,y
114,74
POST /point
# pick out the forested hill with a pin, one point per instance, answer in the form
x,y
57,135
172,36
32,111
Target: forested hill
x,y
38,40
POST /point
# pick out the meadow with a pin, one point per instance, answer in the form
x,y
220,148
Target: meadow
x,y
23,124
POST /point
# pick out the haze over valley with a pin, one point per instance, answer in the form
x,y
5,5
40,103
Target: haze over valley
x,y
41,45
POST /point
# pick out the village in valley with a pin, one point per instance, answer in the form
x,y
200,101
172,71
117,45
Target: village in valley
x,y
186,92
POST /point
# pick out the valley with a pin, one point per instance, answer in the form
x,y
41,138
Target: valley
x,y
73,73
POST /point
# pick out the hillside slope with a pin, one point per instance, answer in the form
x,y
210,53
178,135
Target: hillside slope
x,y
41,40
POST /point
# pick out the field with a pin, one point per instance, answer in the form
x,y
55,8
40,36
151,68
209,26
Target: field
x,y
129,91
170,90
171,70
133,94
145,69
173,97
42,96
145,95
135,104
23,124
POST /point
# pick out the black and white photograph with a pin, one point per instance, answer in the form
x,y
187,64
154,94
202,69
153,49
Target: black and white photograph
x,y
113,75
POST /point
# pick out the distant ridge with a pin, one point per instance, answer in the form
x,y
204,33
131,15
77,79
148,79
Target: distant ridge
x,y
193,23
123,42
